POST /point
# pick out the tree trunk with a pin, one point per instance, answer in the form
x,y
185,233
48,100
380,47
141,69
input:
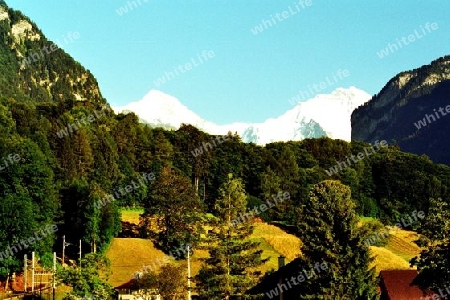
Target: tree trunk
x,y
204,190
196,182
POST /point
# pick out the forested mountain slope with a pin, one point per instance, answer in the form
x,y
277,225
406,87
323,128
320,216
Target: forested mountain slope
x,y
411,110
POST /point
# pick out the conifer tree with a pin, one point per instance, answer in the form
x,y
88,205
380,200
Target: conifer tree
x,y
271,185
434,261
328,228
229,270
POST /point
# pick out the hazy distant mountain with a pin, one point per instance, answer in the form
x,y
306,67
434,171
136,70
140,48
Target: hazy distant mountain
x,y
323,115
406,111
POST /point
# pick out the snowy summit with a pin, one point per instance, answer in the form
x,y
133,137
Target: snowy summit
x,y
323,115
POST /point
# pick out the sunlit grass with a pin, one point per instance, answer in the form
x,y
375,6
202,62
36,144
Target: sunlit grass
x,y
387,260
401,243
128,255
283,243
131,215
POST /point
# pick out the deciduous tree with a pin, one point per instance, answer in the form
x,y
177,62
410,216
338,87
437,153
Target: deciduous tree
x,y
175,207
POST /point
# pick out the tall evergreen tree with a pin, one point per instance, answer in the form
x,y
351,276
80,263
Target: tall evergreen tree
x,y
433,263
271,185
232,256
193,141
27,200
328,228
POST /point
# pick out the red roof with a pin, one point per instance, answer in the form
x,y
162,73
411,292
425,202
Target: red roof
x,y
396,285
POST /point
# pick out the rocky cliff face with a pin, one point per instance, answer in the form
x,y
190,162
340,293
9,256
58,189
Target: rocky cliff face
x,y
410,111
38,69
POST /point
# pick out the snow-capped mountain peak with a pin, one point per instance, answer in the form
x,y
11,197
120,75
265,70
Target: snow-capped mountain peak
x,y
323,115
332,111
160,109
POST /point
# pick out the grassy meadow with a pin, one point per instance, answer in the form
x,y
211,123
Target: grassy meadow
x,y
129,255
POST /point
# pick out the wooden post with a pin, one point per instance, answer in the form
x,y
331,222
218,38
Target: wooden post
x,y
64,248
40,285
25,273
189,273
80,255
32,273
54,274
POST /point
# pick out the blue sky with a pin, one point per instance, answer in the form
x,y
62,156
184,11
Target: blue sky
x,y
251,76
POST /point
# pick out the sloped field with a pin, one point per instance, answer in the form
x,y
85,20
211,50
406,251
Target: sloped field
x,y
129,255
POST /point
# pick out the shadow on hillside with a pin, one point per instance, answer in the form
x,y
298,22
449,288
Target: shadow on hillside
x,y
291,229
129,230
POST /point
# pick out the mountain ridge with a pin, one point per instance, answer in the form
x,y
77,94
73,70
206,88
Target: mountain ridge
x,y
322,115
21,38
408,97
